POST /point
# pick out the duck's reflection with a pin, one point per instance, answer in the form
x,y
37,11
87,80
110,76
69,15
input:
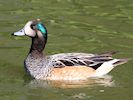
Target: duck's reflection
x,y
106,81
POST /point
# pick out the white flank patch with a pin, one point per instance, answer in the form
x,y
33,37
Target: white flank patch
x,y
105,68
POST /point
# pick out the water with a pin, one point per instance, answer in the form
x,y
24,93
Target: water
x,y
91,26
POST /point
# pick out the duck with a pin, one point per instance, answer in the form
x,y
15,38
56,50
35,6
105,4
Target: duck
x,y
62,66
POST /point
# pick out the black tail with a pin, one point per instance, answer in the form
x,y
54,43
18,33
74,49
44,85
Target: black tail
x,y
121,61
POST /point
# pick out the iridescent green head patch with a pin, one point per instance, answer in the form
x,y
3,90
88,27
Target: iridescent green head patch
x,y
42,28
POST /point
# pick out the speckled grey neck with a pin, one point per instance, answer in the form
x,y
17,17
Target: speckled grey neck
x,y
38,67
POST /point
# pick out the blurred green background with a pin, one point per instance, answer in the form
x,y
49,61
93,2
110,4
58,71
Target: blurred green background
x,y
90,26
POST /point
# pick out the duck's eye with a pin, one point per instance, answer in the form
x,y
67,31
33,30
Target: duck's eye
x,y
32,26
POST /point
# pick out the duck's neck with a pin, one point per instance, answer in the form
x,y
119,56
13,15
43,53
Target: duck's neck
x,y
38,45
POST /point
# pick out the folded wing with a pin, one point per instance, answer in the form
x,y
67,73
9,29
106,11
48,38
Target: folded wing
x,y
80,59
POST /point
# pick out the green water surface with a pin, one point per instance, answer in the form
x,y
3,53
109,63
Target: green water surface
x,y
90,26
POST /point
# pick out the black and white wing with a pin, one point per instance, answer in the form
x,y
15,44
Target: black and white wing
x,y
79,59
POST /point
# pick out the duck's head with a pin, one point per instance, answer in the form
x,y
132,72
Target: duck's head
x,y
33,29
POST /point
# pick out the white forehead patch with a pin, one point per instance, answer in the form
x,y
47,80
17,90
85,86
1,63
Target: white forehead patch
x,y
28,31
